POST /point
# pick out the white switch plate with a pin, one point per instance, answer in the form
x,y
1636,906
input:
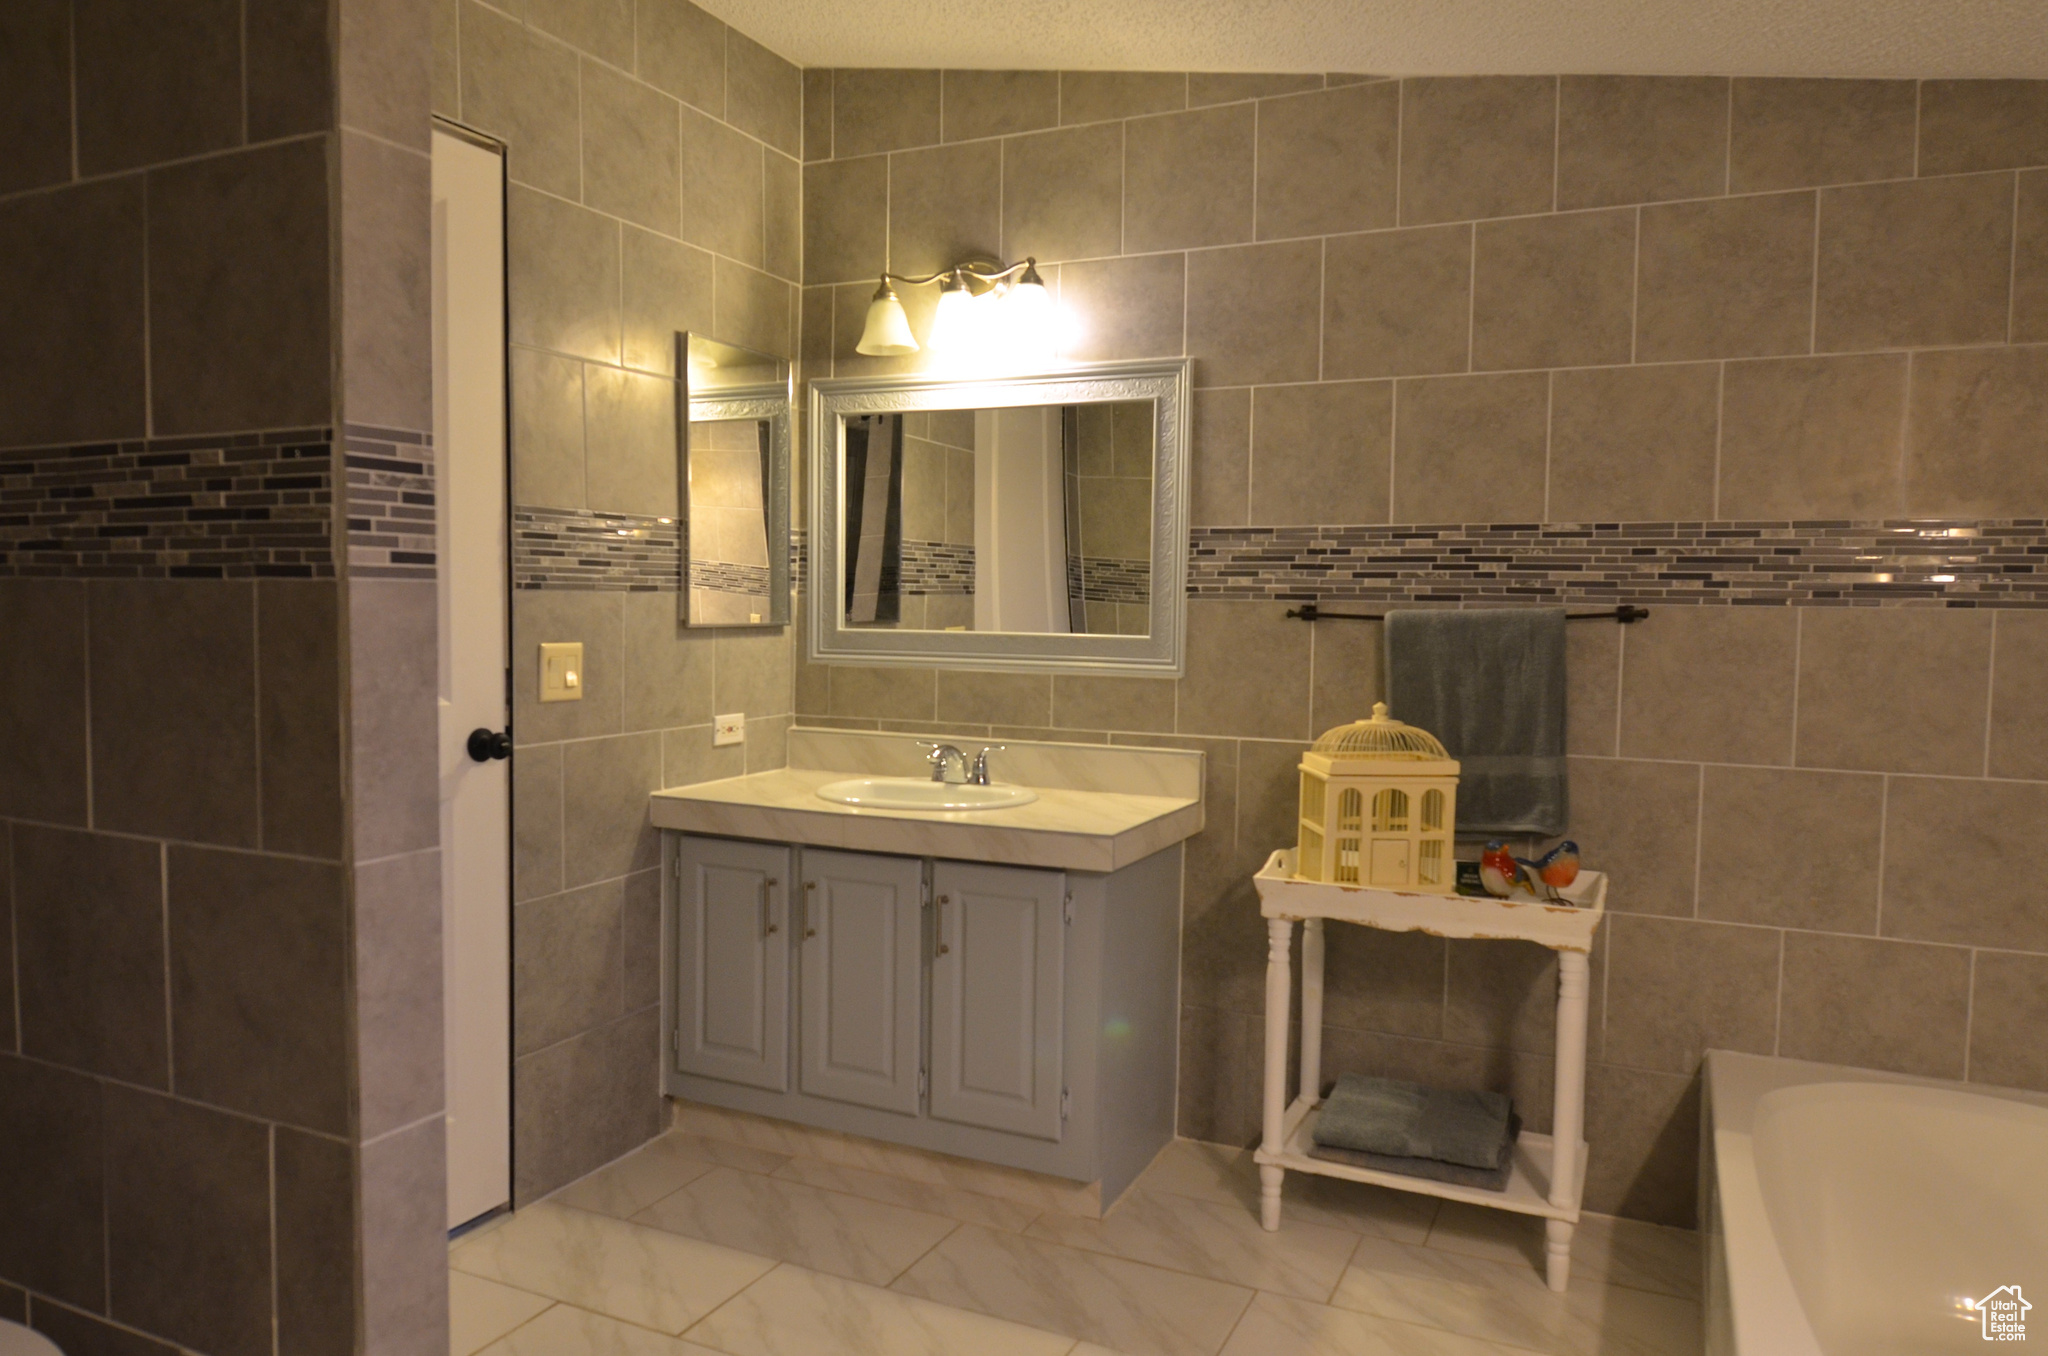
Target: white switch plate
x,y
561,672
728,730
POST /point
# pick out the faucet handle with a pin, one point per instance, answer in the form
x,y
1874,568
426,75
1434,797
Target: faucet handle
x,y
980,777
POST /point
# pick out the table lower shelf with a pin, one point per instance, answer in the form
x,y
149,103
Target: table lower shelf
x,y
1528,1189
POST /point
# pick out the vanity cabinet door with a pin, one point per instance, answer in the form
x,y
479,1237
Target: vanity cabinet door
x,y
861,994
732,961
998,964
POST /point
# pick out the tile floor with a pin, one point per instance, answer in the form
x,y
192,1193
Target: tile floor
x,y
740,1237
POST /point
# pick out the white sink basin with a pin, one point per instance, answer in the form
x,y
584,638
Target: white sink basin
x,y
912,793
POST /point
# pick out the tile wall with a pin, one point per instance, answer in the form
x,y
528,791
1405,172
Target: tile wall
x,y
220,1062
1816,304
652,153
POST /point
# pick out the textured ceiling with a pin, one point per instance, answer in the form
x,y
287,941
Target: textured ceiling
x,y
1928,38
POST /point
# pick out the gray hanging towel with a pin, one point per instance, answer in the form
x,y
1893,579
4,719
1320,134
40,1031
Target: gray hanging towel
x,y
1488,682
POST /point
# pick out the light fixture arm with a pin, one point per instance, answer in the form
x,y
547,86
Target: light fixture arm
x,y
886,333
980,270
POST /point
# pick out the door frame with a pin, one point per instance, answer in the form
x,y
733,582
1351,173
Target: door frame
x,y
499,147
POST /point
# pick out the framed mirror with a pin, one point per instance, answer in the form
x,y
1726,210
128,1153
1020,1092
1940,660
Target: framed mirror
x,y
732,437
1035,523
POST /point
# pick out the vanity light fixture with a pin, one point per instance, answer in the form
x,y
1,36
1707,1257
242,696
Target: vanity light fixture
x,y
984,307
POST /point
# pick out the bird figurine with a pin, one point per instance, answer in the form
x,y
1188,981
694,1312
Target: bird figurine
x,y
1498,870
1553,872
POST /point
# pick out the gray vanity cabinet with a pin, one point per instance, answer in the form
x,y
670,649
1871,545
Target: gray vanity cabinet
x,y
861,998
732,961
998,976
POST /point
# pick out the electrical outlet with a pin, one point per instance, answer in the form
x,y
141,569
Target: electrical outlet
x,y
728,730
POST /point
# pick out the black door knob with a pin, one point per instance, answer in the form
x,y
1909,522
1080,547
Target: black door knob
x,y
484,745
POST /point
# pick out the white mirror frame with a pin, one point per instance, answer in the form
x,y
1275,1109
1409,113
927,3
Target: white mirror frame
x,y
770,402
1159,654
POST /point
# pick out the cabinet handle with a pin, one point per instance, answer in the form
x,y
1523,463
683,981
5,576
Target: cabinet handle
x,y
809,929
939,923
768,918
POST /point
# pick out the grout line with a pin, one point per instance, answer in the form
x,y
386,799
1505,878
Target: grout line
x,y
1556,139
1813,290
1778,1003
1720,423
242,58
71,76
1728,144
1969,1015
1549,421
270,1156
1620,677
1323,306
1699,835
1393,446
1884,815
1990,690
256,703
1255,175
1471,290
163,885
1905,436
1798,636
2012,280
1400,107
1635,290
1918,87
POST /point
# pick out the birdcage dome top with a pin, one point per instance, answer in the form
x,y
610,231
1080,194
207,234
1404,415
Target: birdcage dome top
x,y
1380,738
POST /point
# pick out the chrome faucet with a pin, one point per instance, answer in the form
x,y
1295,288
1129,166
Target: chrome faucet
x,y
980,774
940,756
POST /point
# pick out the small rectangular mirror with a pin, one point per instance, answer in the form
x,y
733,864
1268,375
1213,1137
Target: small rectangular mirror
x,y
732,438
1018,524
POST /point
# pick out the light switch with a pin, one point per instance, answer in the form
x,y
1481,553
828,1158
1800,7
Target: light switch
x,y
728,730
561,672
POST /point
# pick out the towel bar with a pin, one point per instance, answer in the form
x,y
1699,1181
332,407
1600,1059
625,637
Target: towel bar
x,y
1626,613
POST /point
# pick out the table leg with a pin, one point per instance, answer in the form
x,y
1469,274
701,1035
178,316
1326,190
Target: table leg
x,y
1311,1008
1279,987
1568,1110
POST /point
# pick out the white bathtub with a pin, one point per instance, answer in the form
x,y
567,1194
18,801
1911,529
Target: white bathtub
x,y
1854,1212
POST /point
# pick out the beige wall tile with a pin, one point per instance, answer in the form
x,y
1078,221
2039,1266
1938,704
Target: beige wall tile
x,y
603,28
537,821
666,288
1926,262
562,276
143,86
1828,1014
884,110
783,208
1327,160
1469,449
1095,96
1320,453
1804,133
1709,683
1812,437
1477,146
763,94
1213,88
1982,125
1504,997
631,160
519,86
752,309
817,97
1649,1124
1125,308
669,668
2030,261
630,442
1603,424
1384,981
1083,703
1188,178
547,429
945,204
1973,433
997,103
722,201
1220,456
1959,862
682,52
1894,689
592,619
1639,822
894,694
1726,279
846,219
1677,988
2008,1012
1398,303
1593,678
1222,694
2019,696
995,698
753,674
1348,677
1640,138
1791,849
1063,193
605,785
1252,314
1556,291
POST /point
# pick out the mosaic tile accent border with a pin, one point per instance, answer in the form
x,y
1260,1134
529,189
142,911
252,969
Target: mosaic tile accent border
x,y
1106,579
722,576
1925,562
935,567
584,549
392,527
239,506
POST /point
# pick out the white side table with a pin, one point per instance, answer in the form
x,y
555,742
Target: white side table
x,y
1540,1180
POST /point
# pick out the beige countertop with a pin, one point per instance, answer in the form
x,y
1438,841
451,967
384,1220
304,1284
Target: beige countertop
x,y
1096,822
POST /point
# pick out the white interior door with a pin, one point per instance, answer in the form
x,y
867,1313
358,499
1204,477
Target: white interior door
x,y
476,867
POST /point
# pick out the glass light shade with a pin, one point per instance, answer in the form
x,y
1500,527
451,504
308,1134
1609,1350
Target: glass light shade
x,y
1029,319
953,326
887,332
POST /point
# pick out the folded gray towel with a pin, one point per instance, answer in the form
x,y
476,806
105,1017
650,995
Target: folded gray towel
x,y
1490,683
1408,1120
1431,1169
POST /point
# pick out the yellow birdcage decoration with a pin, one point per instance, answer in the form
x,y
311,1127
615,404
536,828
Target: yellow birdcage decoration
x,y
1379,803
